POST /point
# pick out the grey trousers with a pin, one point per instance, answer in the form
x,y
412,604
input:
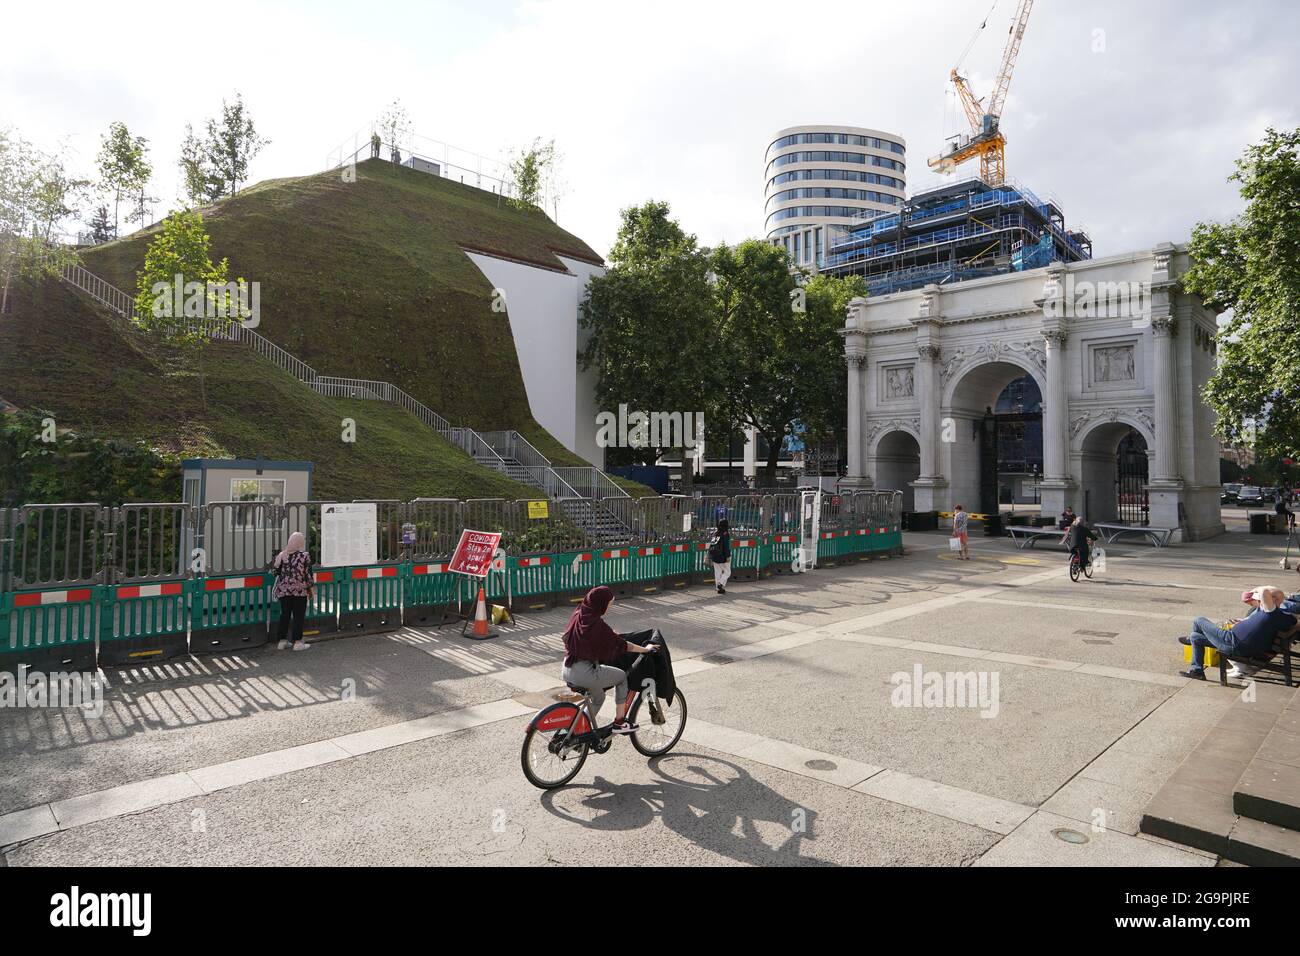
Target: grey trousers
x,y
594,678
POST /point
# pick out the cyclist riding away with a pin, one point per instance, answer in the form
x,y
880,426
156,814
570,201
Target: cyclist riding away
x,y
590,645
1076,537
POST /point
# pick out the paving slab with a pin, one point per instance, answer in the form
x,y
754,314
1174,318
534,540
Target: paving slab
x,y
836,696
1036,843
460,800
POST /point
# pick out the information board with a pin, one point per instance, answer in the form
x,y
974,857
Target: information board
x,y
347,534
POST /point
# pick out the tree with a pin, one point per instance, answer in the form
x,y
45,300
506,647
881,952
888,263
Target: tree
x,y
1251,265
179,266
650,322
823,400
101,230
124,169
395,127
200,183
783,361
36,197
231,145
531,172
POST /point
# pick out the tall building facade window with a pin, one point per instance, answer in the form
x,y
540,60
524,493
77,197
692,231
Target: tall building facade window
x,y
821,180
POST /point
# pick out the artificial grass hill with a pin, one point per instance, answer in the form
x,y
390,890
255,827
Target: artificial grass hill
x,y
103,379
360,279
367,279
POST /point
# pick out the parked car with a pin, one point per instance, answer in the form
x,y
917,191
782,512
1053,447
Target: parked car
x,y
1229,494
1268,495
1249,495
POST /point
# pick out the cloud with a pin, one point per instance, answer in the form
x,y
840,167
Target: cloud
x,y
677,100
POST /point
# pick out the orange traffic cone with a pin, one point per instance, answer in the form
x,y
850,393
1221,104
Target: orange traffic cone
x,y
480,631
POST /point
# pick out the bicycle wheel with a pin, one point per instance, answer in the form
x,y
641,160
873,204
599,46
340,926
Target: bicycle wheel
x,y
1087,569
546,761
662,725
1074,569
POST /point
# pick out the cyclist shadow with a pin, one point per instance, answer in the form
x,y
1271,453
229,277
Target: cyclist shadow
x,y
712,802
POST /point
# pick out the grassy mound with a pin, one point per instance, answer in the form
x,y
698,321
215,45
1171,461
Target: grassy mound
x,y
97,375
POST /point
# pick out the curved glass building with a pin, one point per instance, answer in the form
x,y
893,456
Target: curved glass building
x,y
820,180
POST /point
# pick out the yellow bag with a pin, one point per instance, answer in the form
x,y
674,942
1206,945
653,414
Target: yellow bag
x,y
1211,655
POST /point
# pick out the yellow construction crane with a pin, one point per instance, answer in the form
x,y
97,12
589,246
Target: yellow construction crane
x,y
985,140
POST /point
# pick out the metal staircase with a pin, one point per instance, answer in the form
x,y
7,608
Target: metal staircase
x,y
601,525
507,452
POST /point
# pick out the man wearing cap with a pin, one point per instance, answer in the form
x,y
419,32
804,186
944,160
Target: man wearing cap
x,y
1252,636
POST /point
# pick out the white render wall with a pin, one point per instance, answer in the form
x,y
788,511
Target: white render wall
x,y
542,306
948,351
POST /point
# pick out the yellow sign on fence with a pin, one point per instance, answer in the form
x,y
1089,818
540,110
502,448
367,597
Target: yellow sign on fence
x,y
539,509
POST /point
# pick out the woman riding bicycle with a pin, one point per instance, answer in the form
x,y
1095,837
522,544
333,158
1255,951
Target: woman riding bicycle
x,y
1076,537
590,645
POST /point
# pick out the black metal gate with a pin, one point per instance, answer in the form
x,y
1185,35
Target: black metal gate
x,y
1131,479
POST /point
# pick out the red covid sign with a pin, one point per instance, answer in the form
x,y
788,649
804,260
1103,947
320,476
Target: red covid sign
x,y
473,555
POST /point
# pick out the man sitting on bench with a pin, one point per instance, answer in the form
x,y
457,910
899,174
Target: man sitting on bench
x,y
1252,636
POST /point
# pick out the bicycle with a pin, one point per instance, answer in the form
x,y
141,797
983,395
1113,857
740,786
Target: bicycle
x,y
560,735
1075,566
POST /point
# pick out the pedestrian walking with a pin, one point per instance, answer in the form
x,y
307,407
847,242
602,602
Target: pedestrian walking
x,y
960,524
720,555
294,584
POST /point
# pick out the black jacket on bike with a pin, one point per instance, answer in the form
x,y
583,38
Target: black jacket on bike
x,y
1077,540
658,666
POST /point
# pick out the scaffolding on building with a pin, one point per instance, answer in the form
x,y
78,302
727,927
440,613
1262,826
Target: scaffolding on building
x,y
964,230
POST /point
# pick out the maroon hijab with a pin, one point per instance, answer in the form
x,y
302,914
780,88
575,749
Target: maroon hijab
x,y
588,637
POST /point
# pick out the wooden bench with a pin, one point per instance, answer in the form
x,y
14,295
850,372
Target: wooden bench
x,y
1025,535
1159,536
1281,645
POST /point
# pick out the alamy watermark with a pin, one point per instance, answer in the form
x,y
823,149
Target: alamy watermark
x,y
936,689
237,301
1081,298
37,689
638,429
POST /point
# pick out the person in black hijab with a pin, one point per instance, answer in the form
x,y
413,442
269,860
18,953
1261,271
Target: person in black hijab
x,y
590,648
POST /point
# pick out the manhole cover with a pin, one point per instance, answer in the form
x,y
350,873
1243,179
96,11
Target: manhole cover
x,y
1099,634
718,659
1088,641
1170,601
1069,836
820,764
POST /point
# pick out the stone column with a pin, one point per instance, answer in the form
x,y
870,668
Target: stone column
x,y
926,386
855,356
1164,383
853,435
1056,441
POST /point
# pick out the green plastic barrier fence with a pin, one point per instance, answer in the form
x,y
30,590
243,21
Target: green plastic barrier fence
x,y
228,613
614,570
49,629
678,563
781,549
532,582
428,592
647,568
746,559
574,573
373,599
142,623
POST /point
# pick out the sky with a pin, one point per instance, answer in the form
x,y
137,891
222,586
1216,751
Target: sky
x,y
1129,113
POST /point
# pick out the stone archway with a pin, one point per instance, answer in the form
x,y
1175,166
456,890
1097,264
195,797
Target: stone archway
x,y
897,463
1112,479
965,450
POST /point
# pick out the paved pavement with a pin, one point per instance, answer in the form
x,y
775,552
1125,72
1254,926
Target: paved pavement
x,y
806,743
